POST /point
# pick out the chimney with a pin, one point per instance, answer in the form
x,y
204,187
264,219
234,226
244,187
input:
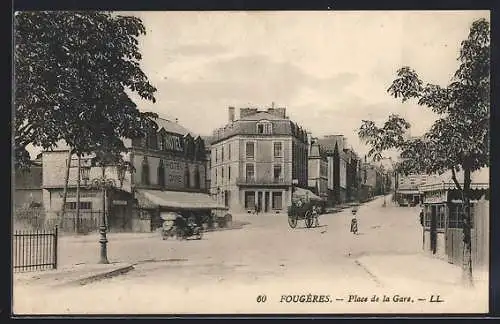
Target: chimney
x,y
231,114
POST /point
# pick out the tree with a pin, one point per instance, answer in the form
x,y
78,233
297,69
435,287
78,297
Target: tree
x,y
459,139
72,70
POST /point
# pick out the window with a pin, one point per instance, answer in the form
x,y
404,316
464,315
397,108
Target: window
x,y
222,173
145,171
162,145
250,150
264,127
229,152
216,153
278,150
83,205
427,216
216,180
153,141
197,178
222,153
250,199
187,177
250,172
277,200
229,172
440,217
161,174
455,219
277,172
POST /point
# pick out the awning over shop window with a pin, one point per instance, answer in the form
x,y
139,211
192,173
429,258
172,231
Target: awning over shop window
x,y
176,200
305,194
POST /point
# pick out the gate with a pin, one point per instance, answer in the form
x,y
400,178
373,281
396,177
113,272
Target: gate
x,y
34,250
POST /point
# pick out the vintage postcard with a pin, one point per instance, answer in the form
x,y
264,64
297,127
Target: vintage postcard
x,y
259,162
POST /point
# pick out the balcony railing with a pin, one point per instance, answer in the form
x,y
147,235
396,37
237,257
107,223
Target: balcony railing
x,y
264,181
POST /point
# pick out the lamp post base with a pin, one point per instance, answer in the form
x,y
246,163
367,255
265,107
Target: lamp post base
x,y
104,249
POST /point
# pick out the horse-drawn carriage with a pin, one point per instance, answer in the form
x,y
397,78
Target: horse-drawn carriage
x,y
305,206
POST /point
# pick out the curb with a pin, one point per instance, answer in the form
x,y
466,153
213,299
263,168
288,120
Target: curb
x,y
100,276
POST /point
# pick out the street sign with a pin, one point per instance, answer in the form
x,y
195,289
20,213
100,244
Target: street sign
x,y
119,202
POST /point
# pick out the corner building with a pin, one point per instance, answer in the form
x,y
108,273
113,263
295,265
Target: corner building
x,y
255,159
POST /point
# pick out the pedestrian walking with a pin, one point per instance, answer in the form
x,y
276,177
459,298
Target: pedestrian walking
x,y
422,217
354,222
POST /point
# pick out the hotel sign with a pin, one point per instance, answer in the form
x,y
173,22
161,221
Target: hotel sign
x,y
435,197
173,143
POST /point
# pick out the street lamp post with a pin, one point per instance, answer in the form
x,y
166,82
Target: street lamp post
x,y
103,184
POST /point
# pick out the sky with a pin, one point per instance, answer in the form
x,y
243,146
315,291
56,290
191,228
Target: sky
x,y
329,69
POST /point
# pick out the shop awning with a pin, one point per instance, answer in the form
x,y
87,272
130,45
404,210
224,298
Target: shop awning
x,y
176,200
306,194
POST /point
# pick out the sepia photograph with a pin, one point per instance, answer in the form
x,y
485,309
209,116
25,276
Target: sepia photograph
x,y
250,162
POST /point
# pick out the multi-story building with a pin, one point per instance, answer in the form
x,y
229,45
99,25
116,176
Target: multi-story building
x,y
255,160
407,192
341,170
318,169
169,171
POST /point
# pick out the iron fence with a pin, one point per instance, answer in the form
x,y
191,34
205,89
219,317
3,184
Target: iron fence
x,y
34,250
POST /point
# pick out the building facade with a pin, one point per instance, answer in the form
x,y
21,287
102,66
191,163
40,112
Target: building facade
x,y
342,170
254,160
442,223
317,169
407,192
169,171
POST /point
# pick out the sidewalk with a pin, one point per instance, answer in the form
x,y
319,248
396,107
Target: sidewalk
x,y
424,270
71,275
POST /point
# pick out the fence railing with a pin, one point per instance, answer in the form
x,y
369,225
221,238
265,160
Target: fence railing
x,y
34,250
33,219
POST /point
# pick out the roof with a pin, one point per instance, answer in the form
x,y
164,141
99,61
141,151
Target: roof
x,y
177,200
262,115
166,124
480,176
172,127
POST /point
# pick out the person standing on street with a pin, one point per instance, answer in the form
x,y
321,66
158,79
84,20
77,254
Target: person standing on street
x,y
422,217
354,222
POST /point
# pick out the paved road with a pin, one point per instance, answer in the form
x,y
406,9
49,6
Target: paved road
x,y
228,270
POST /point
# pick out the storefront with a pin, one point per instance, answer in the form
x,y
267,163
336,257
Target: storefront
x,y
443,218
152,203
408,196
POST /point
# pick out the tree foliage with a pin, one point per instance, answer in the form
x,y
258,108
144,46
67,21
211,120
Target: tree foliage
x,y
72,70
459,138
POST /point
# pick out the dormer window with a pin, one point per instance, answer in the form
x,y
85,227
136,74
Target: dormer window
x,y
264,127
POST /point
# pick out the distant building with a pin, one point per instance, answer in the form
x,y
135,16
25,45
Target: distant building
x,y
169,175
318,169
407,192
342,171
254,160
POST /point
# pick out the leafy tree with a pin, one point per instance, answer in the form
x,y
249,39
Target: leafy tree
x,y
72,70
459,139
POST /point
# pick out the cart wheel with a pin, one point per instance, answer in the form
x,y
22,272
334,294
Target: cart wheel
x,y
308,219
199,235
292,221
